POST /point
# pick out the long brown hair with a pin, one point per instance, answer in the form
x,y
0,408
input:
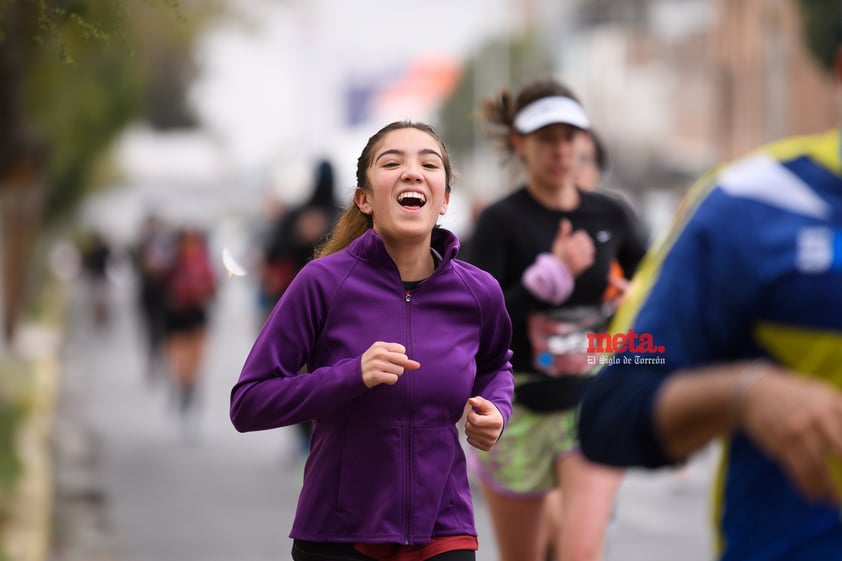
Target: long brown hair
x,y
353,223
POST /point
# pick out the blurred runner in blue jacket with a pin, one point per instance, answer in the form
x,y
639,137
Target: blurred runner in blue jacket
x,y
743,301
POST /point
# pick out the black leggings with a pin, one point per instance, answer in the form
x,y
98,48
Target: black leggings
x,y
320,551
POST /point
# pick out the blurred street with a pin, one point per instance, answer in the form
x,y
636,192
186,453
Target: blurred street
x,y
221,496
131,487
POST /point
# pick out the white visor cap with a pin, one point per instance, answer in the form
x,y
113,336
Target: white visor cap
x,y
550,111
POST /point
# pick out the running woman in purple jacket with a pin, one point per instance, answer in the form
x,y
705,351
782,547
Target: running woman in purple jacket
x,y
398,339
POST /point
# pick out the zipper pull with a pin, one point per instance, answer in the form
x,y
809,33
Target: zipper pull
x,y
408,296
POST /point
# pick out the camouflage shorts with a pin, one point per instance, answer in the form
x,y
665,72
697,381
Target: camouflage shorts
x,y
523,460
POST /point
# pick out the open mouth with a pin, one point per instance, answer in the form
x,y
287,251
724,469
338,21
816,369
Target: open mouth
x,y
412,199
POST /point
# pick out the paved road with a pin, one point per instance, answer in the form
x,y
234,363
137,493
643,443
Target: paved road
x,y
129,488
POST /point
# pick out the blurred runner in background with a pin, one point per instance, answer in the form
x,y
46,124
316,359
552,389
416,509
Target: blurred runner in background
x,y
290,245
96,260
591,163
153,255
550,245
290,242
190,289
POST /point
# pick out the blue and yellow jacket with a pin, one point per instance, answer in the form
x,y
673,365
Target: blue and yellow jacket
x,y
751,268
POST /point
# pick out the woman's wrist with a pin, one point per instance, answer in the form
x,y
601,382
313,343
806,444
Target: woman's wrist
x,y
549,279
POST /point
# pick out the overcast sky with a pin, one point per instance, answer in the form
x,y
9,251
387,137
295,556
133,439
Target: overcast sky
x,y
274,80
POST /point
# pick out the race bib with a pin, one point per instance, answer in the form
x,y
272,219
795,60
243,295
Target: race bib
x,y
560,338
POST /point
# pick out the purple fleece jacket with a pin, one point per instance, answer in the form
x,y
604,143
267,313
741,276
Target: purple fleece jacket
x,y
386,464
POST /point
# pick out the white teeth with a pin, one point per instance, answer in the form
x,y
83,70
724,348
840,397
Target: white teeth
x,y
412,195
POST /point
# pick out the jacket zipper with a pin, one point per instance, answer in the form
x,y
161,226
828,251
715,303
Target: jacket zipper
x,y
408,459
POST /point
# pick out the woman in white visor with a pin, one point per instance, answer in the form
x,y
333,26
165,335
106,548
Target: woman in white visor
x,y
550,245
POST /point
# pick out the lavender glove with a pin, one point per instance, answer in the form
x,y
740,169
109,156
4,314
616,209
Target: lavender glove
x,y
548,279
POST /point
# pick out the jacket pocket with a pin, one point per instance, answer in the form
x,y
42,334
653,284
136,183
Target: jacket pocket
x,y
442,496
371,501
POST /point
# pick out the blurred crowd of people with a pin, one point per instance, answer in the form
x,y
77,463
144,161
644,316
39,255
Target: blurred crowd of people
x,y
176,285
177,282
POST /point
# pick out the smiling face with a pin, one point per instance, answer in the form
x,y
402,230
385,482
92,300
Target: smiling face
x,y
406,185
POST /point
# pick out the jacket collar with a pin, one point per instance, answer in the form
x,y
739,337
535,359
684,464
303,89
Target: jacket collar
x,y
370,247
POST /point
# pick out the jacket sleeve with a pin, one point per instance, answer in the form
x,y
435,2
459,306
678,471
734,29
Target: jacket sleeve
x,y
694,309
494,380
271,390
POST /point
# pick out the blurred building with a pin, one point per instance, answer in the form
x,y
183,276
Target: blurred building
x,y
678,86
767,85
684,84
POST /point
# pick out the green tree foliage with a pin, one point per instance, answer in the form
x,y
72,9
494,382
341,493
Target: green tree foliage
x,y
73,74
77,95
821,22
83,69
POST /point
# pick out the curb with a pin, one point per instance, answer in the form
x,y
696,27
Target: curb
x,y
26,536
